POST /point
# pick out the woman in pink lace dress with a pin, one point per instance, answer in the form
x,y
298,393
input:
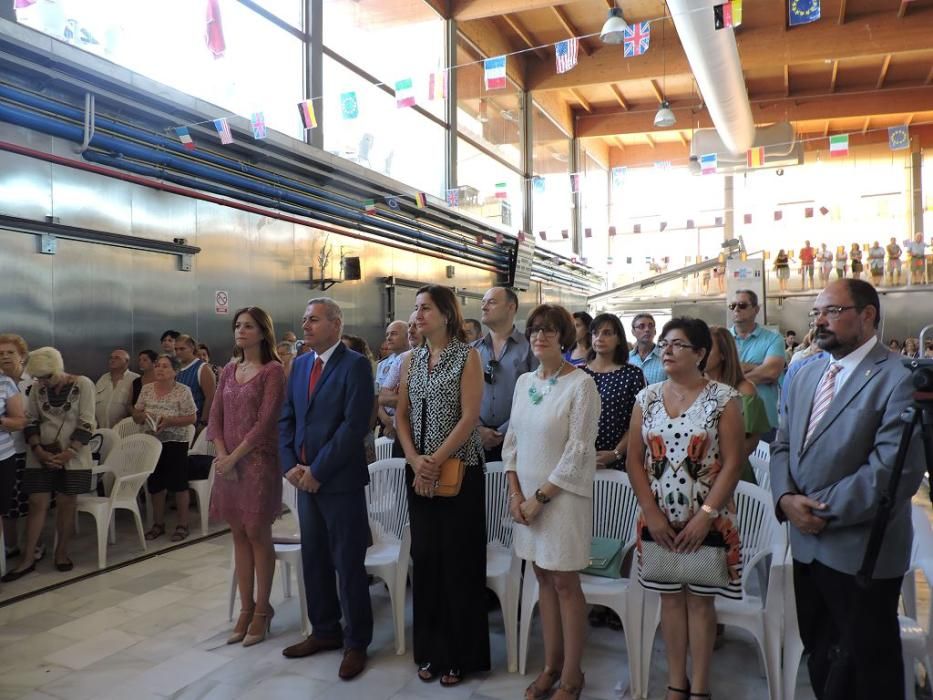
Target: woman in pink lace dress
x,y
248,486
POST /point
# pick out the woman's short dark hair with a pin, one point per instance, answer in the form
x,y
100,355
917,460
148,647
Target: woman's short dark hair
x,y
588,322
446,302
697,333
556,316
151,354
620,356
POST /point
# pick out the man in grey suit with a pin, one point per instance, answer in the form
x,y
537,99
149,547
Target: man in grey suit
x,y
830,464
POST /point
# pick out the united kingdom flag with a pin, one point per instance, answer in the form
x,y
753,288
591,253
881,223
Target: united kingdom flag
x,y
636,39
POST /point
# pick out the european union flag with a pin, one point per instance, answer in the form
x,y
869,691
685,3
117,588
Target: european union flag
x,y
802,12
898,138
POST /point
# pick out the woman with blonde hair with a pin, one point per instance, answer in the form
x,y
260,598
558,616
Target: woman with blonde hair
x,y
723,366
13,354
60,413
248,490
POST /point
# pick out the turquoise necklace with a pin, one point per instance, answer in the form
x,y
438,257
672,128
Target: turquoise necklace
x,y
538,396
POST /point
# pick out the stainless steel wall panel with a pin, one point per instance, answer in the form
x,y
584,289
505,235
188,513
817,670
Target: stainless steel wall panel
x,y
24,184
91,201
162,216
25,285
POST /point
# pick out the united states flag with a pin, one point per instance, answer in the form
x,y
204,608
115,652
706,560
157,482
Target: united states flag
x,y
566,52
636,39
223,130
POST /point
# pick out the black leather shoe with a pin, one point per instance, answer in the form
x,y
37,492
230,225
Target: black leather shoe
x,y
16,575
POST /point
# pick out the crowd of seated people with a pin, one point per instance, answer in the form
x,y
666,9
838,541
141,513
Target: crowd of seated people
x,y
555,404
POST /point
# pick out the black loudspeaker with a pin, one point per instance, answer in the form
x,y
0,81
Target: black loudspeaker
x,y
351,269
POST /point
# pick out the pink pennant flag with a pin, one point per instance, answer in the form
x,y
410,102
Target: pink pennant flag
x,y
214,31
437,85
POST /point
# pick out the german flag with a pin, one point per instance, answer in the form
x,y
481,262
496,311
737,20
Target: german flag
x,y
755,157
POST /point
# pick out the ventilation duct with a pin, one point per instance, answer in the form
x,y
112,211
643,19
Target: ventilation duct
x,y
714,60
781,149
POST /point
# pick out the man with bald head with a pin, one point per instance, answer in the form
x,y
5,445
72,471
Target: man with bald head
x,y
396,343
115,390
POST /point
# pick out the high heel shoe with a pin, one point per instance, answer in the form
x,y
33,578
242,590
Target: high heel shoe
x,y
572,691
239,632
252,639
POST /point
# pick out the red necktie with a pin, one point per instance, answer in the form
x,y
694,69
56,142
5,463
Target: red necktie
x,y
316,372
315,375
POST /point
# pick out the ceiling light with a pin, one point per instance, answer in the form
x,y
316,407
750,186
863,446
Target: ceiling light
x,y
665,116
613,27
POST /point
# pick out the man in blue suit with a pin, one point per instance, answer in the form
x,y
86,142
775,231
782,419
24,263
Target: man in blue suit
x,y
324,420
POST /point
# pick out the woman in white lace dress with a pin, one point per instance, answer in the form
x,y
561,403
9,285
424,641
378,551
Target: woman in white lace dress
x,y
550,456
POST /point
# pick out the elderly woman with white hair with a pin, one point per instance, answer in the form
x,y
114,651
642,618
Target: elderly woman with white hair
x,y
60,414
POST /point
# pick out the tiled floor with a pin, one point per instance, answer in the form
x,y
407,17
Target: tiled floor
x,y
156,629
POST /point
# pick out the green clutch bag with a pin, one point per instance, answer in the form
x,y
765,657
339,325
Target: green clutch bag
x,y
605,558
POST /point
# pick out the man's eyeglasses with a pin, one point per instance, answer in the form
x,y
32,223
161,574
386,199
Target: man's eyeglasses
x,y
675,345
546,331
742,305
831,312
643,327
489,371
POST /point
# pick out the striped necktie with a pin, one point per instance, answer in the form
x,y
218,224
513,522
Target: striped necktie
x,y
824,396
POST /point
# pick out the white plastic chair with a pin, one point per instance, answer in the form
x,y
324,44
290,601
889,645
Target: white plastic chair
x,y
387,559
615,510
106,439
384,447
916,638
791,643
761,536
127,427
288,554
503,568
202,487
131,462
761,464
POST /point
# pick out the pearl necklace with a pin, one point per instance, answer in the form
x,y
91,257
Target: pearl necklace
x,y
538,396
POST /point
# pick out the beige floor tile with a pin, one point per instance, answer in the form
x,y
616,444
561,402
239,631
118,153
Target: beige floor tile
x,y
93,649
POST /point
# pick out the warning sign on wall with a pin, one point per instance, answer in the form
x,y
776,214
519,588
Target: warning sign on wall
x,y
221,302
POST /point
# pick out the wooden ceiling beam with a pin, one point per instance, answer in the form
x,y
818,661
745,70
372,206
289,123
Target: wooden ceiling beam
x,y
523,34
490,40
466,10
826,129
884,72
603,122
842,12
786,80
832,82
866,125
902,10
620,98
619,142
760,48
910,118
650,140
683,139
581,100
569,28
657,91
929,77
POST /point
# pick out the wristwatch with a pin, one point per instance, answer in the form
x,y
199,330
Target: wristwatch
x,y
617,455
542,497
711,512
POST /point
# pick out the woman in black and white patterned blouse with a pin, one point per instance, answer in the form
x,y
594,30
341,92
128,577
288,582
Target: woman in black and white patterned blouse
x,y
439,398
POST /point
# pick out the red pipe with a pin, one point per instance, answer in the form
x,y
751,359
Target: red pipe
x,y
194,194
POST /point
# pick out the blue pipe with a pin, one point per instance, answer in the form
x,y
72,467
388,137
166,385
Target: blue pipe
x,y
166,145
76,133
193,183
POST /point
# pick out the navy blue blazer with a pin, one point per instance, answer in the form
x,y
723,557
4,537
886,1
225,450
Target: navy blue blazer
x,y
332,423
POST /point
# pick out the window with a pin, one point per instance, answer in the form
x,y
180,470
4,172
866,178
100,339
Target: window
x,y
260,69
290,11
594,194
398,142
491,118
488,190
390,41
552,197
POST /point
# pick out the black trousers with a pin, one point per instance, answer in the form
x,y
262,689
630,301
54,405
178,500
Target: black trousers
x,y
832,611
448,590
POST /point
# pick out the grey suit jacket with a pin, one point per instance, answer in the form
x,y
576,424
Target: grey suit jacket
x,y
848,462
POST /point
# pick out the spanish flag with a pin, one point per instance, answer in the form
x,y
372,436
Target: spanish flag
x,y
421,200
755,157
306,110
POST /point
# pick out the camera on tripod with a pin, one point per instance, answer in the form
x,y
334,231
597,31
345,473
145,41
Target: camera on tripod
x,y
922,371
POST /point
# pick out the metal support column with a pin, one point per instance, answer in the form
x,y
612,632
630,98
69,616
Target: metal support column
x,y
915,188
527,142
314,67
728,208
450,59
576,223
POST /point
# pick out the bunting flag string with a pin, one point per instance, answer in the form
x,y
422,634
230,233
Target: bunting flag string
x,y
306,111
185,137
802,12
494,72
257,123
838,145
223,130
566,54
349,107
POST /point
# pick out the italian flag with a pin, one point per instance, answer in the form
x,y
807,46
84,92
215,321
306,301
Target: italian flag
x,y
404,93
839,145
